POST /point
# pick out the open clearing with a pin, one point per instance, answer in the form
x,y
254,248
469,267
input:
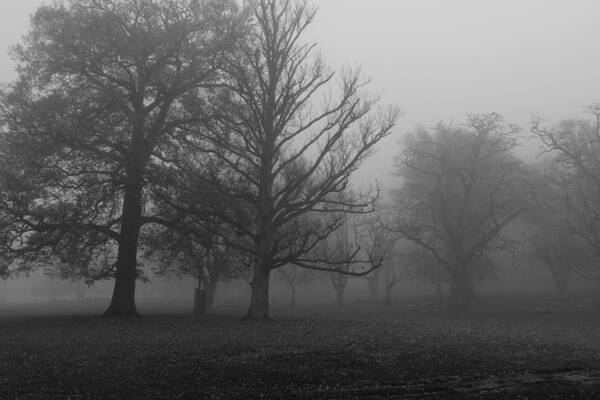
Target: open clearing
x,y
496,351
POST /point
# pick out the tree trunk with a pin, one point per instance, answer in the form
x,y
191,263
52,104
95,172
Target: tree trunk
x,y
471,292
560,276
200,298
387,300
340,296
373,281
199,301
438,285
459,289
211,291
259,297
561,285
123,298
293,296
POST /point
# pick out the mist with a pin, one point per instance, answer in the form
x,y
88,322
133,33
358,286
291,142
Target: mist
x,y
299,199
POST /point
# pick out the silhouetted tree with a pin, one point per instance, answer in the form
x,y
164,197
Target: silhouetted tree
x,y
90,119
378,241
293,276
294,150
403,260
548,238
575,173
341,247
462,186
393,272
194,254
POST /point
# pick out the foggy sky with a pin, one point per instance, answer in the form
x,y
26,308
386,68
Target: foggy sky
x,y
440,59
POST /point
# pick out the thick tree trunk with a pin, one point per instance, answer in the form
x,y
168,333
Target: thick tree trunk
x,y
199,300
259,297
123,298
373,281
211,291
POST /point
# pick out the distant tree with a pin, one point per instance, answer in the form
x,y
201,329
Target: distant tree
x,y
575,173
559,253
416,263
373,280
54,289
289,275
340,247
462,187
339,280
293,276
378,241
294,150
549,241
89,121
194,255
394,269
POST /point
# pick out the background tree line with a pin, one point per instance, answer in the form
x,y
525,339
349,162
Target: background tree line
x,y
206,137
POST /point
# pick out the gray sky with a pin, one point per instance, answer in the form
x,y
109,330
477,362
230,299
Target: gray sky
x,y
441,59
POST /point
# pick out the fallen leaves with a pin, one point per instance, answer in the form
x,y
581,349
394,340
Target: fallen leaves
x,y
378,356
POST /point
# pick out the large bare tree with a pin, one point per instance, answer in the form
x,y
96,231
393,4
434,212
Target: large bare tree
x,y
294,133
461,187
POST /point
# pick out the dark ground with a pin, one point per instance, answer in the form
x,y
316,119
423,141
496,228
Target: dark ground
x,y
504,348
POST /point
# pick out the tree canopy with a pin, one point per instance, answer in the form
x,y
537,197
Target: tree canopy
x,y
90,122
289,142
198,116
461,187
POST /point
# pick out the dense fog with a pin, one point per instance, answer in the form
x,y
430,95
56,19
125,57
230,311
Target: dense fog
x,y
239,199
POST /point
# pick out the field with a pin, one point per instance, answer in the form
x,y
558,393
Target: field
x,y
498,350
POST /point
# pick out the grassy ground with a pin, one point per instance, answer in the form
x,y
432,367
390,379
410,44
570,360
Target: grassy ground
x,y
499,349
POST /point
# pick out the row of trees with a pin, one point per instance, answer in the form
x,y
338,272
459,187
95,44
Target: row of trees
x,y
463,187
206,137
465,199
194,132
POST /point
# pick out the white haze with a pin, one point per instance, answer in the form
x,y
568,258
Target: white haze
x,y
439,59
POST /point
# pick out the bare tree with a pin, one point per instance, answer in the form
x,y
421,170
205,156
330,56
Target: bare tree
x,y
293,276
289,275
194,254
378,241
292,142
403,260
462,187
575,173
549,241
341,247
393,273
